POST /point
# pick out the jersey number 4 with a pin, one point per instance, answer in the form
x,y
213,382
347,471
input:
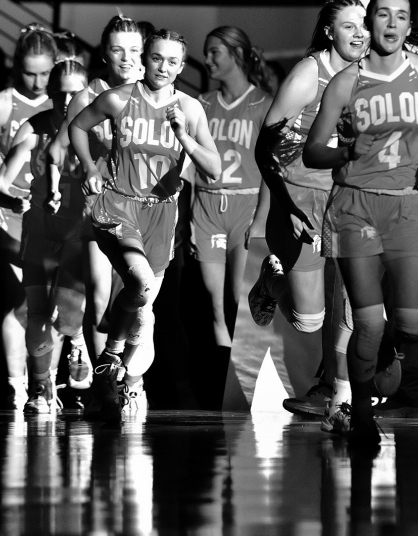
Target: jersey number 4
x,y
390,152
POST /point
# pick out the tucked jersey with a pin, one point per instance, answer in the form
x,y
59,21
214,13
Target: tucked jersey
x,y
235,128
386,107
72,198
296,172
147,158
22,109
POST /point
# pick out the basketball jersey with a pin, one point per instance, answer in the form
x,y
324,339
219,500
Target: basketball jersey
x,y
296,172
100,136
146,156
72,198
235,128
386,107
22,109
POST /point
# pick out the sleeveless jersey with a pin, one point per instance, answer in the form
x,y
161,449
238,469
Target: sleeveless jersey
x,y
100,136
235,128
147,158
22,109
296,172
385,107
72,198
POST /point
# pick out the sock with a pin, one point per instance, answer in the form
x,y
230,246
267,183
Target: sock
x,y
341,392
77,340
42,375
19,384
115,347
53,374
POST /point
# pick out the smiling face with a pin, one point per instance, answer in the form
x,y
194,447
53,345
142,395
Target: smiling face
x,y
348,34
123,57
163,62
390,24
219,62
35,73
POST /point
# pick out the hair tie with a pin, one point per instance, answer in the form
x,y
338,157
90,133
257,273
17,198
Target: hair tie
x,y
33,28
64,35
68,58
122,16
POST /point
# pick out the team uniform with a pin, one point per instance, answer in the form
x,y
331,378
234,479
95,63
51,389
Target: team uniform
x,y
138,204
373,209
223,211
22,109
309,188
51,242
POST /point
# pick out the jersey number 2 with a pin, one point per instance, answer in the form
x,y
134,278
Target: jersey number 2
x,y
227,178
390,152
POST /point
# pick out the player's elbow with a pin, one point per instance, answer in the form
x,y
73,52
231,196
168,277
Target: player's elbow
x,y
309,155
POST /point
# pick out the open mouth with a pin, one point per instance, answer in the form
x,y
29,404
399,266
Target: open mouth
x,y
391,37
357,44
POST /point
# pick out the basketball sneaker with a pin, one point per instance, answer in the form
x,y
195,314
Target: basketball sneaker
x,y
262,305
337,418
42,397
105,387
79,367
314,402
133,398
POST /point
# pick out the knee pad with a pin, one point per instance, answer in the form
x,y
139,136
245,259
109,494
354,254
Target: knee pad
x,y
137,290
69,311
308,323
369,326
406,322
141,337
38,335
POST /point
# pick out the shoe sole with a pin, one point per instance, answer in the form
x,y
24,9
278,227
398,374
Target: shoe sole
x,y
302,410
255,300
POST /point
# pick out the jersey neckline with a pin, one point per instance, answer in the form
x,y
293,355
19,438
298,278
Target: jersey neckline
x,y
235,103
152,102
34,103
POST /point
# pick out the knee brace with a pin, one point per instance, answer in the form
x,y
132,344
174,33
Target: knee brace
x,y
369,326
308,323
69,311
345,328
141,337
137,289
38,335
406,322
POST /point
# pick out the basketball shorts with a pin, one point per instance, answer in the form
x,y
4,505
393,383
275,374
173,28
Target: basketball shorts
x,y
292,252
220,223
364,224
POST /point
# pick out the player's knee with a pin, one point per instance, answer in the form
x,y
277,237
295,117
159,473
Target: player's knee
x,y
137,290
308,323
406,321
38,335
369,326
70,306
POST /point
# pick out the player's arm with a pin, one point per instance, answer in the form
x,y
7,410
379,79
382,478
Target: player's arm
x,y
108,105
6,106
273,144
199,144
258,225
317,153
15,159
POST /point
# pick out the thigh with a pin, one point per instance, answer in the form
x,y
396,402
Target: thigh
x,y
363,280
213,274
307,292
236,261
70,270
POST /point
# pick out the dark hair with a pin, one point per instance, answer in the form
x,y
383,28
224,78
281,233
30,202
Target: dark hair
x,y
326,18
64,68
118,23
68,44
167,35
251,60
145,28
34,40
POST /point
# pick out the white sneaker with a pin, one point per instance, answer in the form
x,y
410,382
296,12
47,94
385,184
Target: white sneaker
x,y
133,398
42,398
337,418
80,368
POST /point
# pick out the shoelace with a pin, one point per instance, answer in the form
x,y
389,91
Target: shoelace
x,y
128,398
112,369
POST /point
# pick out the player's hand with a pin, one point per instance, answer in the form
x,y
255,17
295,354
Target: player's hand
x,y
362,146
94,181
21,205
300,229
255,230
177,120
54,203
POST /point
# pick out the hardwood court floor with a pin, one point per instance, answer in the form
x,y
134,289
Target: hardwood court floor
x,y
203,474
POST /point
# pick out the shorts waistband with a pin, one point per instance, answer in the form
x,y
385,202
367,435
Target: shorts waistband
x,y
225,191
147,200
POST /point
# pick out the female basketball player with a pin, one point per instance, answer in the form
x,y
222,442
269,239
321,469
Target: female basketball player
x,y
134,215
228,213
372,214
51,244
297,285
121,46
33,61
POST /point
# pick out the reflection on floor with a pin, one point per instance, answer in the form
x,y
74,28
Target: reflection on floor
x,y
203,474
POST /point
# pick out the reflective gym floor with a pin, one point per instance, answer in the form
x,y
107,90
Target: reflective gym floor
x,y
204,474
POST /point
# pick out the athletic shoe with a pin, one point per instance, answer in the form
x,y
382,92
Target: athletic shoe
x,y
42,398
262,305
387,381
105,387
394,409
337,419
133,398
80,368
17,400
314,402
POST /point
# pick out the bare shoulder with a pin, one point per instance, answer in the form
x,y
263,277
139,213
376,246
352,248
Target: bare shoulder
x,y
6,103
112,101
78,103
